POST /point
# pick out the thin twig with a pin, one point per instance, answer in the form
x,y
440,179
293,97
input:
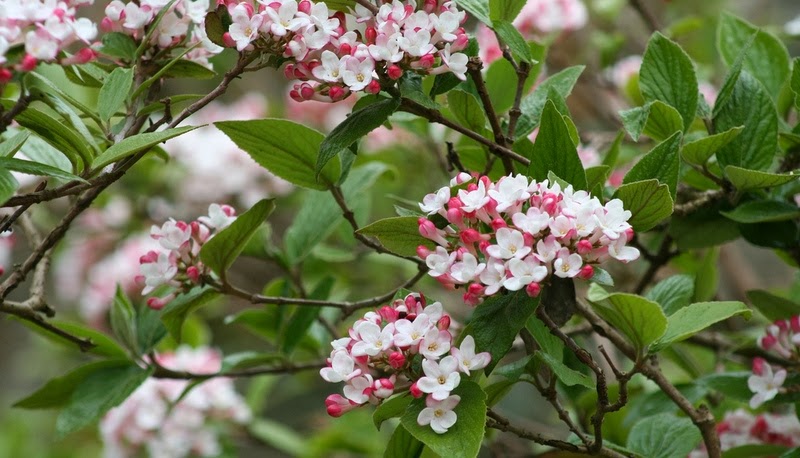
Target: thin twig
x,y
648,17
474,68
287,368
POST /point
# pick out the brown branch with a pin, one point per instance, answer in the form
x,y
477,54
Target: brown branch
x,y
647,16
700,201
523,71
474,68
8,116
26,313
657,261
287,368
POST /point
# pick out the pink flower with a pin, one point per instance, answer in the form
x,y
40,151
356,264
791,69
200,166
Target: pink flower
x,y
439,413
467,358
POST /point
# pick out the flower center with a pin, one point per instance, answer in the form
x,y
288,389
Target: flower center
x,y
441,380
438,413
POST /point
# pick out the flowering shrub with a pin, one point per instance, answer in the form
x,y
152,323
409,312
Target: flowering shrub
x,y
514,234
115,136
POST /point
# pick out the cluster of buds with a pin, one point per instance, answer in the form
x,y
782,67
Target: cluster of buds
x,y
516,233
42,29
183,24
385,352
178,264
740,428
783,339
154,422
334,54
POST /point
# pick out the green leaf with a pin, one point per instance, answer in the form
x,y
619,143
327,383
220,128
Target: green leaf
x,y
444,82
511,37
320,215
72,117
533,104
462,440
663,121
635,119
178,309
56,90
746,180
114,92
672,293
357,125
103,389
794,83
137,144
696,317
399,235
566,375
700,151
767,58
496,323
285,148
391,408
56,392
640,319
279,436
596,178
757,451
731,384
467,110
759,211
773,307
602,277
10,146
123,320
707,276
36,168
403,445
505,10
304,316
149,329
57,135
410,86
648,201
750,106
664,436
667,74
610,158
187,69
549,343
118,44
8,185
477,8
554,151
220,252
661,163
215,26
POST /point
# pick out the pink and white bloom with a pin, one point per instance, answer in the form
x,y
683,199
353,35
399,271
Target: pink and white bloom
x,y
410,333
373,339
244,29
510,244
467,269
567,265
467,358
435,344
342,368
439,413
440,378
766,385
524,272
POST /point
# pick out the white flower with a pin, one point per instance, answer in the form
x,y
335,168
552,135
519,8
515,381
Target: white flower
x,y
356,387
446,24
172,235
158,273
474,200
434,202
219,217
331,68
135,17
524,272
357,74
342,368
373,339
387,48
546,249
532,222
439,414
561,226
509,191
621,252
409,333
510,244
466,270
440,378
466,357
244,29
493,276
439,262
40,46
417,43
284,19
435,343
457,63
567,265
765,386
612,219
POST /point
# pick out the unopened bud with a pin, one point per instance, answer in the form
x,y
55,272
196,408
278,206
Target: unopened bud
x,y
533,289
394,71
397,360
586,272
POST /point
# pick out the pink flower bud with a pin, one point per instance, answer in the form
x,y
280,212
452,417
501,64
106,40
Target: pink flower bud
x,y
415,391
461,42
470,235
296,96
288,71
147,258
455,202
629,233
337,405
794,323
382,388
85,55
397,360
768,341
428,230
373,87
28,63
304,7
586,272
306,91
5,76
483,245
362,360
345,49
430,6
228,41
426,61
193,273
533,289
394,71
583,247
783,325
443,323
423,252
758,366
248,7
498,223
336,93
2,271
370,34
455,216
389,314
106,24
158,303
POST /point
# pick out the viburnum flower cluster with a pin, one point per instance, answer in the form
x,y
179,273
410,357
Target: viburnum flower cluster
x,y
783,339
178,263
516,233
154,423
335,54
182,24
740,428
42,29
385,352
